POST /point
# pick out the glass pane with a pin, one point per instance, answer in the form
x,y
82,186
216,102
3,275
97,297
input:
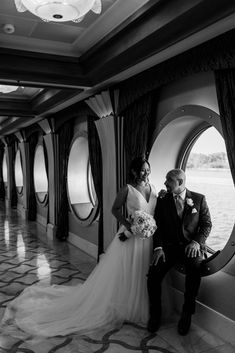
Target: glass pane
x,y
80,183
18,170
39,172
208,172
4,168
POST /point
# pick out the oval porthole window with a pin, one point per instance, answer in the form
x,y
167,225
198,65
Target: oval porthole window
x,y
82,196
4,168
208,172
18,173
40,175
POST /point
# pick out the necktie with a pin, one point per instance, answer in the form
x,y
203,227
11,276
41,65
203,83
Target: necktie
x,y
179,203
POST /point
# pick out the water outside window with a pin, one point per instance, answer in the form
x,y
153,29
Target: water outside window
x,y
208,172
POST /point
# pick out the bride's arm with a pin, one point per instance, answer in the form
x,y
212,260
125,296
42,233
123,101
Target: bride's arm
x,y
117,207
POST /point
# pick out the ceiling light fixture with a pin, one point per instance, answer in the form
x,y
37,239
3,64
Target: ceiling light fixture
x,y
59,10
7,88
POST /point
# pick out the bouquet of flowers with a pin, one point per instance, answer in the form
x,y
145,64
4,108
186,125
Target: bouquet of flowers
x,y
143,225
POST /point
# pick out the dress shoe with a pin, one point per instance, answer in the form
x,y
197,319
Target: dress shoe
x,y
184,323
153,325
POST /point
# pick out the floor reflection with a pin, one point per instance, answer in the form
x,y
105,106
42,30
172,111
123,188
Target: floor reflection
x,y
20,246
43,269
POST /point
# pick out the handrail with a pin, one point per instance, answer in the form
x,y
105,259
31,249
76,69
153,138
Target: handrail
x,y
210,250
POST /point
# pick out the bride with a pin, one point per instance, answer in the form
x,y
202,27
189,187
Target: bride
x,y
115,291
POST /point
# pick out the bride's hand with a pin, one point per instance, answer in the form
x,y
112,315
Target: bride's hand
x,y
122,237
162,193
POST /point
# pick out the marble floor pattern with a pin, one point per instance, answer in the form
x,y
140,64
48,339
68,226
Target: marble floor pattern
x,y
27,257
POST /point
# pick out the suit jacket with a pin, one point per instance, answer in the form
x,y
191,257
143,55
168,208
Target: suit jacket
x,y
195,224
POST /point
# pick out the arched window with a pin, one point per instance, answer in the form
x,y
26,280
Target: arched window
x,y
18,173
180,134
82,196
208,172
40,175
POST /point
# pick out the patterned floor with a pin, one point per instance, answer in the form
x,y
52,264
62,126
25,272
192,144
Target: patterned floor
x,y
27,257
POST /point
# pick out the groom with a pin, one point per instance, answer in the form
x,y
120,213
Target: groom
x,y
184,223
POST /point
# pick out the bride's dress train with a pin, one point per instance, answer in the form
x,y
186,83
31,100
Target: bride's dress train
x,y
115,291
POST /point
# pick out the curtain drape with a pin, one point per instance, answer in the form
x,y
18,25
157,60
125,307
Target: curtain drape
x,y
225,88
33,139
47,174
65,137
139,127
2,186
95,156
212,55
14,197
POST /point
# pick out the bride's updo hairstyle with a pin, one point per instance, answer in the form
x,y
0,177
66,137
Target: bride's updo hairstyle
x,y
135,168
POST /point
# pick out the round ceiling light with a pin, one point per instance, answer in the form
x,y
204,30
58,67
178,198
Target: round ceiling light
x,y
8,88
59,10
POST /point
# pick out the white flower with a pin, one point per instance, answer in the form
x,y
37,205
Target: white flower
x,y
194,210
144,225
189,202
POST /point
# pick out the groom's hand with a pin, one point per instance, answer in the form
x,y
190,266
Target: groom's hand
x,y
157,255
192,249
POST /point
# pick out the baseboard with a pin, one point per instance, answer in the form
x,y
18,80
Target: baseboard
x,y
209,319
84,245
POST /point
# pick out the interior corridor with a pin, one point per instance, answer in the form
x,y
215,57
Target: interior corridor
x,y
27,257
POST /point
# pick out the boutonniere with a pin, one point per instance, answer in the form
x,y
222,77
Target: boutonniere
x,y
189,202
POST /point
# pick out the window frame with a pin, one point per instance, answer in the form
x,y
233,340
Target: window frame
x,y
199,118
93,216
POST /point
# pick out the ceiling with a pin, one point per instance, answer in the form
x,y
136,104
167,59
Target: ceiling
x,y
56,65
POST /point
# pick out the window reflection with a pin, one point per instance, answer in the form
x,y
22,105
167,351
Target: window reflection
x,y
6,234
43,269
40,176
208,172
80,182
20,248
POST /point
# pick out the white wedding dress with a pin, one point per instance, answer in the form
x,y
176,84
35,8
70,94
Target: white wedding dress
x,y
115,291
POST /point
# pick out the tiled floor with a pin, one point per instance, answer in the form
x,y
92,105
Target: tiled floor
x,y
26,257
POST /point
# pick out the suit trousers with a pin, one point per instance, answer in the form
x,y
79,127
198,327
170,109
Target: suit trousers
x,y
175,254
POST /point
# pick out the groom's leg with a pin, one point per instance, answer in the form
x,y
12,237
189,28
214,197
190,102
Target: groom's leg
x,y
192,283
155,277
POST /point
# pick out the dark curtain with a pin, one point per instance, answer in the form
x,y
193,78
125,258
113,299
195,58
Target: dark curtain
x,y
95,156
14,197
65,136
33,139
139,127
47,174
225,88
2,186
212,55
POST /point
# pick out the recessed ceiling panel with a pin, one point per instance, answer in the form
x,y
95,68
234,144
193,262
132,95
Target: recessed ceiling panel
x,y
56,32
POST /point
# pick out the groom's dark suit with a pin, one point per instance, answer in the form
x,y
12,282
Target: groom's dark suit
x,y
173,234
